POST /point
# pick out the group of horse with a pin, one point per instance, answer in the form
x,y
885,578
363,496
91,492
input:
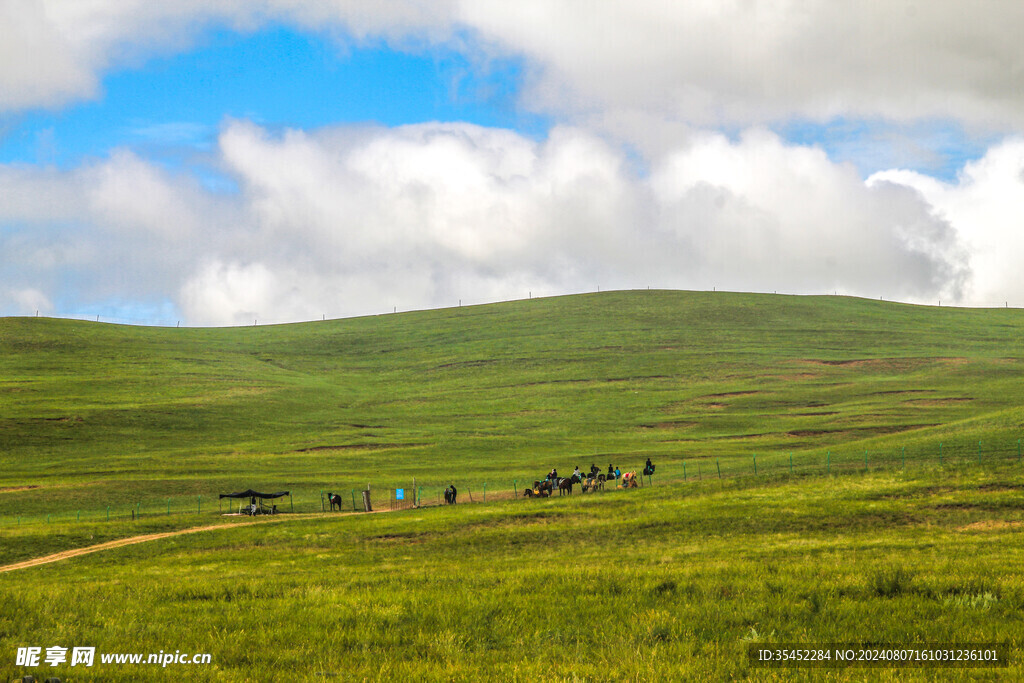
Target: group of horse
x,y
542,488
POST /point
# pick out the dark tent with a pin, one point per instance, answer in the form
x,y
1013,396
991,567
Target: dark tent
x,y
255,508
254,494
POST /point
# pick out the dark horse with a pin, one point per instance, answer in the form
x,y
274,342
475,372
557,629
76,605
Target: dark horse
x,y
566,484
540,488
334,499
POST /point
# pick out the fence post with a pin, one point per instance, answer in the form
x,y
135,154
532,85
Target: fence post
x,y
353,500
979,452
865,461
719,468
200,502
828,462
755,464
515,488
169,507
291,502
78,517
108,513
903,458
322,500
940,454
485,491
684,471
791,463
700,477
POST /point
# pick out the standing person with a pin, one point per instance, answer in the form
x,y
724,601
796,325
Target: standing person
x,y
617,473
455,495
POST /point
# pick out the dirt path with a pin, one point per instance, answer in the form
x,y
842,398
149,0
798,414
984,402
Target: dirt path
x,y
132,540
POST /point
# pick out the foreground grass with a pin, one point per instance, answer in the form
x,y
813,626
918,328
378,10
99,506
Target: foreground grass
x,y
665,583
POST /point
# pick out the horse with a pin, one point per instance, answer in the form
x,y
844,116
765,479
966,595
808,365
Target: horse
x,y
334,499
540,489
566,484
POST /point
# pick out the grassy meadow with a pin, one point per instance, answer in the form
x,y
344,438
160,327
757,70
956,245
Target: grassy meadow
x,y
662,583
830,469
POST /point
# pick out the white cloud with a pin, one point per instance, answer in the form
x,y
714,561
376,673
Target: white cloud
x,y
749,61
359,220
26,301
736,62
985,204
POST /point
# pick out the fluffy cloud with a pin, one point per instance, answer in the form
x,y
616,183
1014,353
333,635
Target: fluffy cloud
x,y
702,63
743,61
985,204
359,220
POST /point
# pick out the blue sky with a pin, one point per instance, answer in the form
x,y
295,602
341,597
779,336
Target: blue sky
x,y
218,164
170,107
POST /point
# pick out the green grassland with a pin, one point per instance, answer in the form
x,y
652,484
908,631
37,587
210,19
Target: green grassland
x,y
830,469
661,583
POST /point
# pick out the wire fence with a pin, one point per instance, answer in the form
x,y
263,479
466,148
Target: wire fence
x,y
675,471
177,321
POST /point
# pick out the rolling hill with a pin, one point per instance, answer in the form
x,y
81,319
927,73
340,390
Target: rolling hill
x,y
105,414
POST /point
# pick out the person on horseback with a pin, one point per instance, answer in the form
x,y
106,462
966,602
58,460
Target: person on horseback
x,y
649,467
576,473
611,471
553,474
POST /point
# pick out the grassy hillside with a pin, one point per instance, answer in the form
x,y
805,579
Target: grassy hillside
x,y
93,415
886,503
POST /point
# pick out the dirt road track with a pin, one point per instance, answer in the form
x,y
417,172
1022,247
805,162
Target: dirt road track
x,y
132,540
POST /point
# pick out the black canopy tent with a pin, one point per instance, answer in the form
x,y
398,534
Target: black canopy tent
x,y
253,496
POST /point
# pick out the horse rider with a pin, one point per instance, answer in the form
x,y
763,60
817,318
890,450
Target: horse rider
x,y
649,467
553,474
576,473
611,471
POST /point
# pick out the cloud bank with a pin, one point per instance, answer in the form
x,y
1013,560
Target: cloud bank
x,y
350,221
731,62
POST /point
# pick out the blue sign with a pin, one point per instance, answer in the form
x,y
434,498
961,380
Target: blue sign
x,y
399,494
